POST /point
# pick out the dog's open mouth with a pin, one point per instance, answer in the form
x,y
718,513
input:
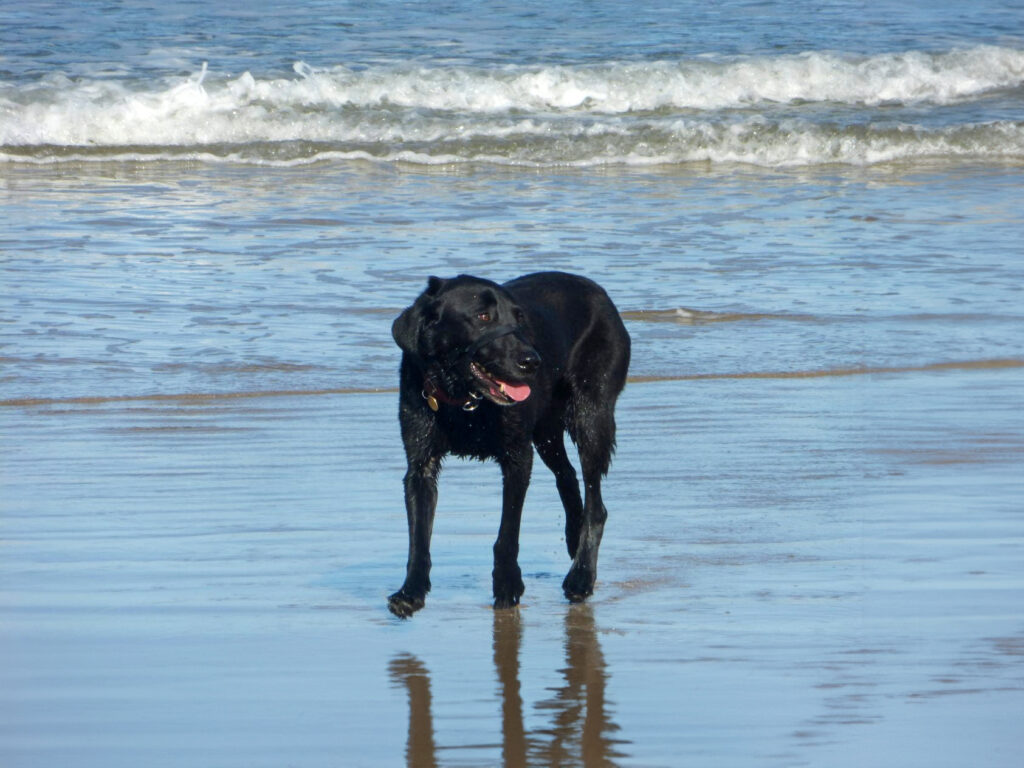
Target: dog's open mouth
x,y
496,390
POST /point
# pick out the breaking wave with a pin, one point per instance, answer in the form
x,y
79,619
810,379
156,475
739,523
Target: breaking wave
x,y
810,109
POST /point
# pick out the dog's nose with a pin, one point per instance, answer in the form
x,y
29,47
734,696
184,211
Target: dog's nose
x,y
528,362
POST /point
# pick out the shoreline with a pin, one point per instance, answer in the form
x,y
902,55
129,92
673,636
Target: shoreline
x,y
194,397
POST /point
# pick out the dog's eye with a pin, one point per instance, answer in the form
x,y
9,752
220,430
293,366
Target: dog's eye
x,y
484,317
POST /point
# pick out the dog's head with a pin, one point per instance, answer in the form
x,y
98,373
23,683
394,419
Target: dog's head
x,y
471,339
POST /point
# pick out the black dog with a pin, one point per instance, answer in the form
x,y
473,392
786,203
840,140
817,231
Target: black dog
x,y
488,370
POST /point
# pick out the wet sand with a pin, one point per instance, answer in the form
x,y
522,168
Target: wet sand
x,y
800,570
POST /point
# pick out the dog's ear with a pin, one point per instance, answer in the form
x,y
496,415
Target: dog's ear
x,y
406,328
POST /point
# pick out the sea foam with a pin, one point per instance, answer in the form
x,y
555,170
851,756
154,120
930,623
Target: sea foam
x,y
693,84
807,109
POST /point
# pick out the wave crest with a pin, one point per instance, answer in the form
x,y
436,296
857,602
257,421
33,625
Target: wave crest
x,y
693,84
775,111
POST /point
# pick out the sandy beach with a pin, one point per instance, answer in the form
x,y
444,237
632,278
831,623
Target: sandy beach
x,y
204,581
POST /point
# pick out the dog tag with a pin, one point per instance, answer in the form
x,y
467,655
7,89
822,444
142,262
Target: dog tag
x,y
432,402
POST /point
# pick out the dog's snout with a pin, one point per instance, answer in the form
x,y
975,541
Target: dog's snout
x,y
528,362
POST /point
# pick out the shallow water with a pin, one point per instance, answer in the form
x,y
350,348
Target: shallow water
x,y
137,281
814,554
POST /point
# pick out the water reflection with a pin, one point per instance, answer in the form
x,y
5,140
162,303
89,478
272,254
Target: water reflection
x,y
578,729
420,749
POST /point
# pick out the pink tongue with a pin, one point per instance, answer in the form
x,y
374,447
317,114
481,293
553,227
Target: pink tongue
x,y
517,392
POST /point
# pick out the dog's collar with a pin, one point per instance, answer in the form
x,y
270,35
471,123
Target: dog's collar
x,y
435,395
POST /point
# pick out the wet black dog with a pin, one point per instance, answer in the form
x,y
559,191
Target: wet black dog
x,y
489,371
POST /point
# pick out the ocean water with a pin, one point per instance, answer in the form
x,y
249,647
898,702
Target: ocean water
x,y
753,83
205,198
810,217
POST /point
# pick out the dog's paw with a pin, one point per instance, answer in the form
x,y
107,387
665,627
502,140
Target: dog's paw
x,y
506,601
508,590
578,584
404,605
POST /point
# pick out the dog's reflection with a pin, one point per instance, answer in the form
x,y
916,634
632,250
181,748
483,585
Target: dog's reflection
x,y
419,749
579,731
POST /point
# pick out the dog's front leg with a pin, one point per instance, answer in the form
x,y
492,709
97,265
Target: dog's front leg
x,y
507,578
420,503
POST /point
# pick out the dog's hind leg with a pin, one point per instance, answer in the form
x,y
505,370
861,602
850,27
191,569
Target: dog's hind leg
x,y
420,503
550,442
506,577
594,432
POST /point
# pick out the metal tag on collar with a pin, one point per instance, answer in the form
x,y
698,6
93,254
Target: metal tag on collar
x,y
431,401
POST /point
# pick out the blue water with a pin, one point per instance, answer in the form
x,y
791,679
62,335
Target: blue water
x,y
169,38
768,84
810,217
207,197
